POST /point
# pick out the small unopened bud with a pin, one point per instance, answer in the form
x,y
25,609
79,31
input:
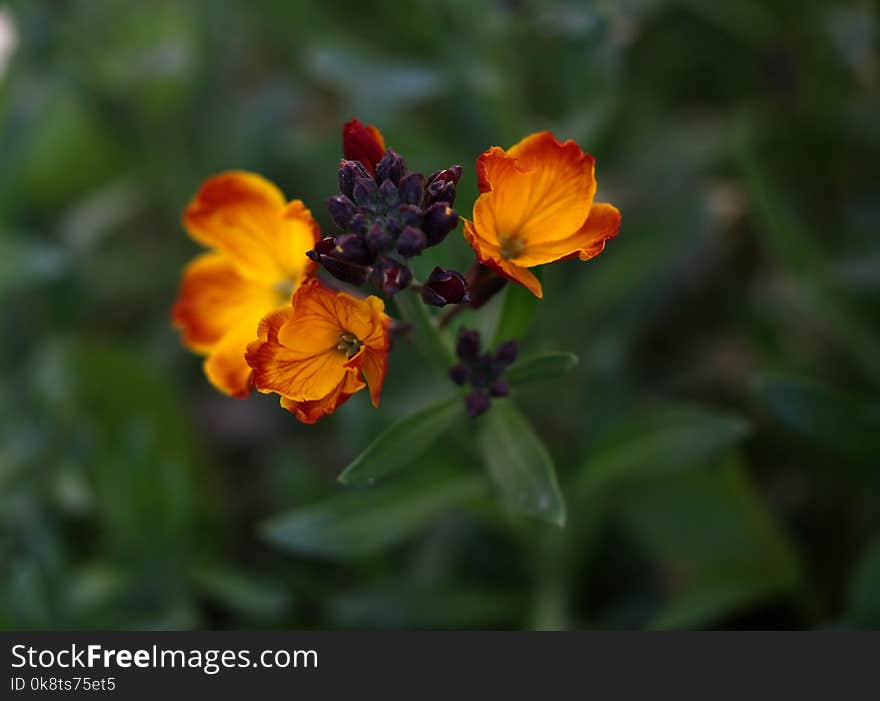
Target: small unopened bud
x,y
468,344
476,403
447,175
391,276
439,220
341,210
444,287
346,271
411,242
410,215
349,172
506,353
499,388
351,248
378,239
459,374
391,167
412,187
365,192
388,193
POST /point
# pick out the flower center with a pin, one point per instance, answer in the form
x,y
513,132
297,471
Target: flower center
x,y
349,344
511,246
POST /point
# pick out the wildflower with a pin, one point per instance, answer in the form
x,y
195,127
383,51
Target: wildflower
x,y
536,206
482,371
257,259
321,350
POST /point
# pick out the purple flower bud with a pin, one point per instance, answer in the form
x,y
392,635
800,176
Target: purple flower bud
x,y
360,223
392,167
440,190
391,276
341,210
410,215
444,287
411,242
412,187
365,191
448,175
378,239
388,193
439,220
350,247
468,344
351,273
499,388
506,353
325,245
476,403
349,172
459,374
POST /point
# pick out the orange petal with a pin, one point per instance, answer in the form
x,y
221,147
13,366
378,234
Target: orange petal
x,y
539,190
362,143
297,375
588,242
310,411
490,256
226,367
214,297
247,217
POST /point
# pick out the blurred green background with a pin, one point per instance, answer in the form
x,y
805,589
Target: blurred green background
x,y
717,445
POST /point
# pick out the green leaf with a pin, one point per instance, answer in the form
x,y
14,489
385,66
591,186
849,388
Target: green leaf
x,y
660,440
842,424
517,313
713,535
434,346
544,366
399,445
520,464
360,522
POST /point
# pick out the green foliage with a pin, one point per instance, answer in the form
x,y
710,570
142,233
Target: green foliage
x,y
403,443
542,366
519,463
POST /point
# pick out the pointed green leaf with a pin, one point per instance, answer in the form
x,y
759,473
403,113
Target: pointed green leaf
x,y
359,522
520,464
544,366
399,445
663,439
825,416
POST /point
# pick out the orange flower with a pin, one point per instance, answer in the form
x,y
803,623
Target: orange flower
x,y
536,206
258,242
315,352
362,143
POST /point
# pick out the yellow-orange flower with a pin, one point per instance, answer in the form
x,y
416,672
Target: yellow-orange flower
x,y
316,352
536,206
258,258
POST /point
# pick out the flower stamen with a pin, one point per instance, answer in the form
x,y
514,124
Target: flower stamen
x,y
349,344
511,246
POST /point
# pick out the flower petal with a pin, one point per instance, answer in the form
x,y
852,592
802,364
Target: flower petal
x,y
539,190
297,375
214,297
226,367
310,411
364,143
490,256
247,217
588,242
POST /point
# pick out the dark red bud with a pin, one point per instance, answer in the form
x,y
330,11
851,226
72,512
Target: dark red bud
x,y
363,143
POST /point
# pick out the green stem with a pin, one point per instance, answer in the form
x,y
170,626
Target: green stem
x,y
430,342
